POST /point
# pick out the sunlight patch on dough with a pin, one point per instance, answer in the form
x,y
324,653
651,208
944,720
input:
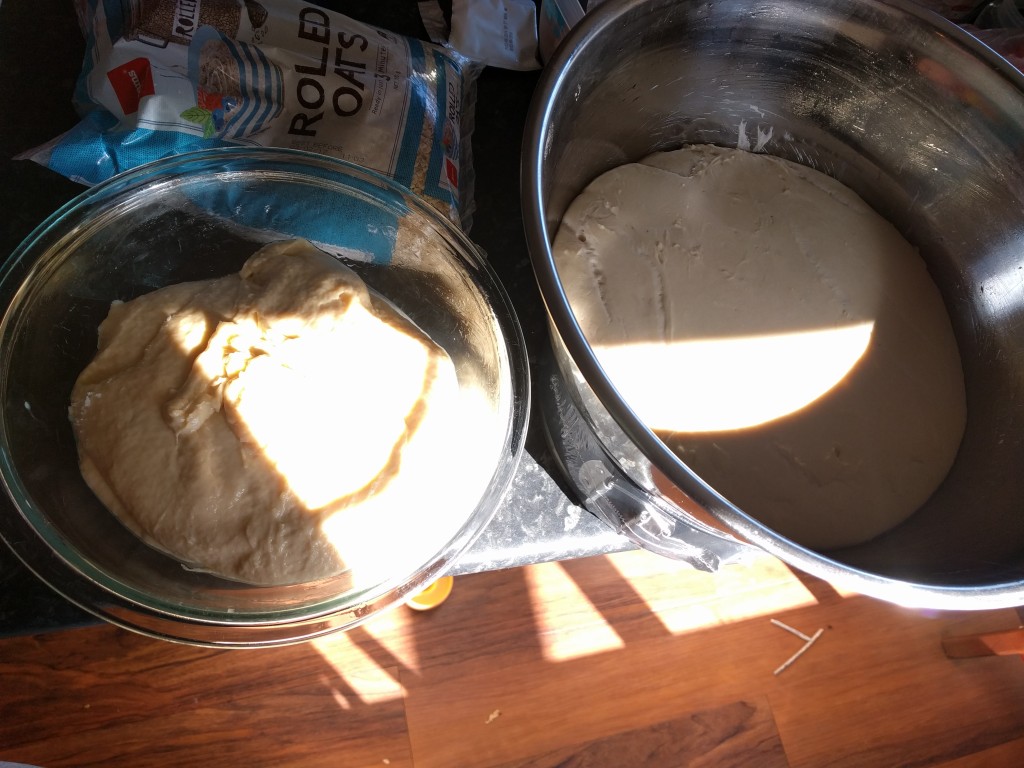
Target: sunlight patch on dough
x,y
705,385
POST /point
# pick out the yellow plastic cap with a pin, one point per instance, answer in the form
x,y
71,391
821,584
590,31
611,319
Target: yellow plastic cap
x,y
432,596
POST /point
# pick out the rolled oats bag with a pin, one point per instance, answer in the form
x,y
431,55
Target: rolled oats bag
x,y
162,77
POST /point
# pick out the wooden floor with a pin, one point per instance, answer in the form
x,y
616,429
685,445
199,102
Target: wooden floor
x,y
627,660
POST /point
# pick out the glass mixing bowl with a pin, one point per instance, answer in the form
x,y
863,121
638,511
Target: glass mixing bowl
x,y
198,216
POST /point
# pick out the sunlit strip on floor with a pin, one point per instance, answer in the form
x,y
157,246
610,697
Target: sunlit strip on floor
x,y
570,626
355,676
694,600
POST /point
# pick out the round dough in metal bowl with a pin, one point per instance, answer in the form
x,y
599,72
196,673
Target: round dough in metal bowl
x,y
776,332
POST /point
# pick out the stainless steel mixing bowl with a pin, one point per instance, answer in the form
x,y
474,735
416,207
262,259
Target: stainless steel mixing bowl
x,y
912,113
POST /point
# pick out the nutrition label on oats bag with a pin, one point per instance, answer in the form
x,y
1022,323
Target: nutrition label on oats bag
x,y
167,76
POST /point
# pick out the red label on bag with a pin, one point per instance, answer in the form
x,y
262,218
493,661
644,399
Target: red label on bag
x,y
131,82
451,170
210,101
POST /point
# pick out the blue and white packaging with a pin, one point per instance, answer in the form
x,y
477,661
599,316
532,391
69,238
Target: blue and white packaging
x,y
162,77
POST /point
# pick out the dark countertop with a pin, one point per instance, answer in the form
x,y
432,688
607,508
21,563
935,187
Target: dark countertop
x,y
41,49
